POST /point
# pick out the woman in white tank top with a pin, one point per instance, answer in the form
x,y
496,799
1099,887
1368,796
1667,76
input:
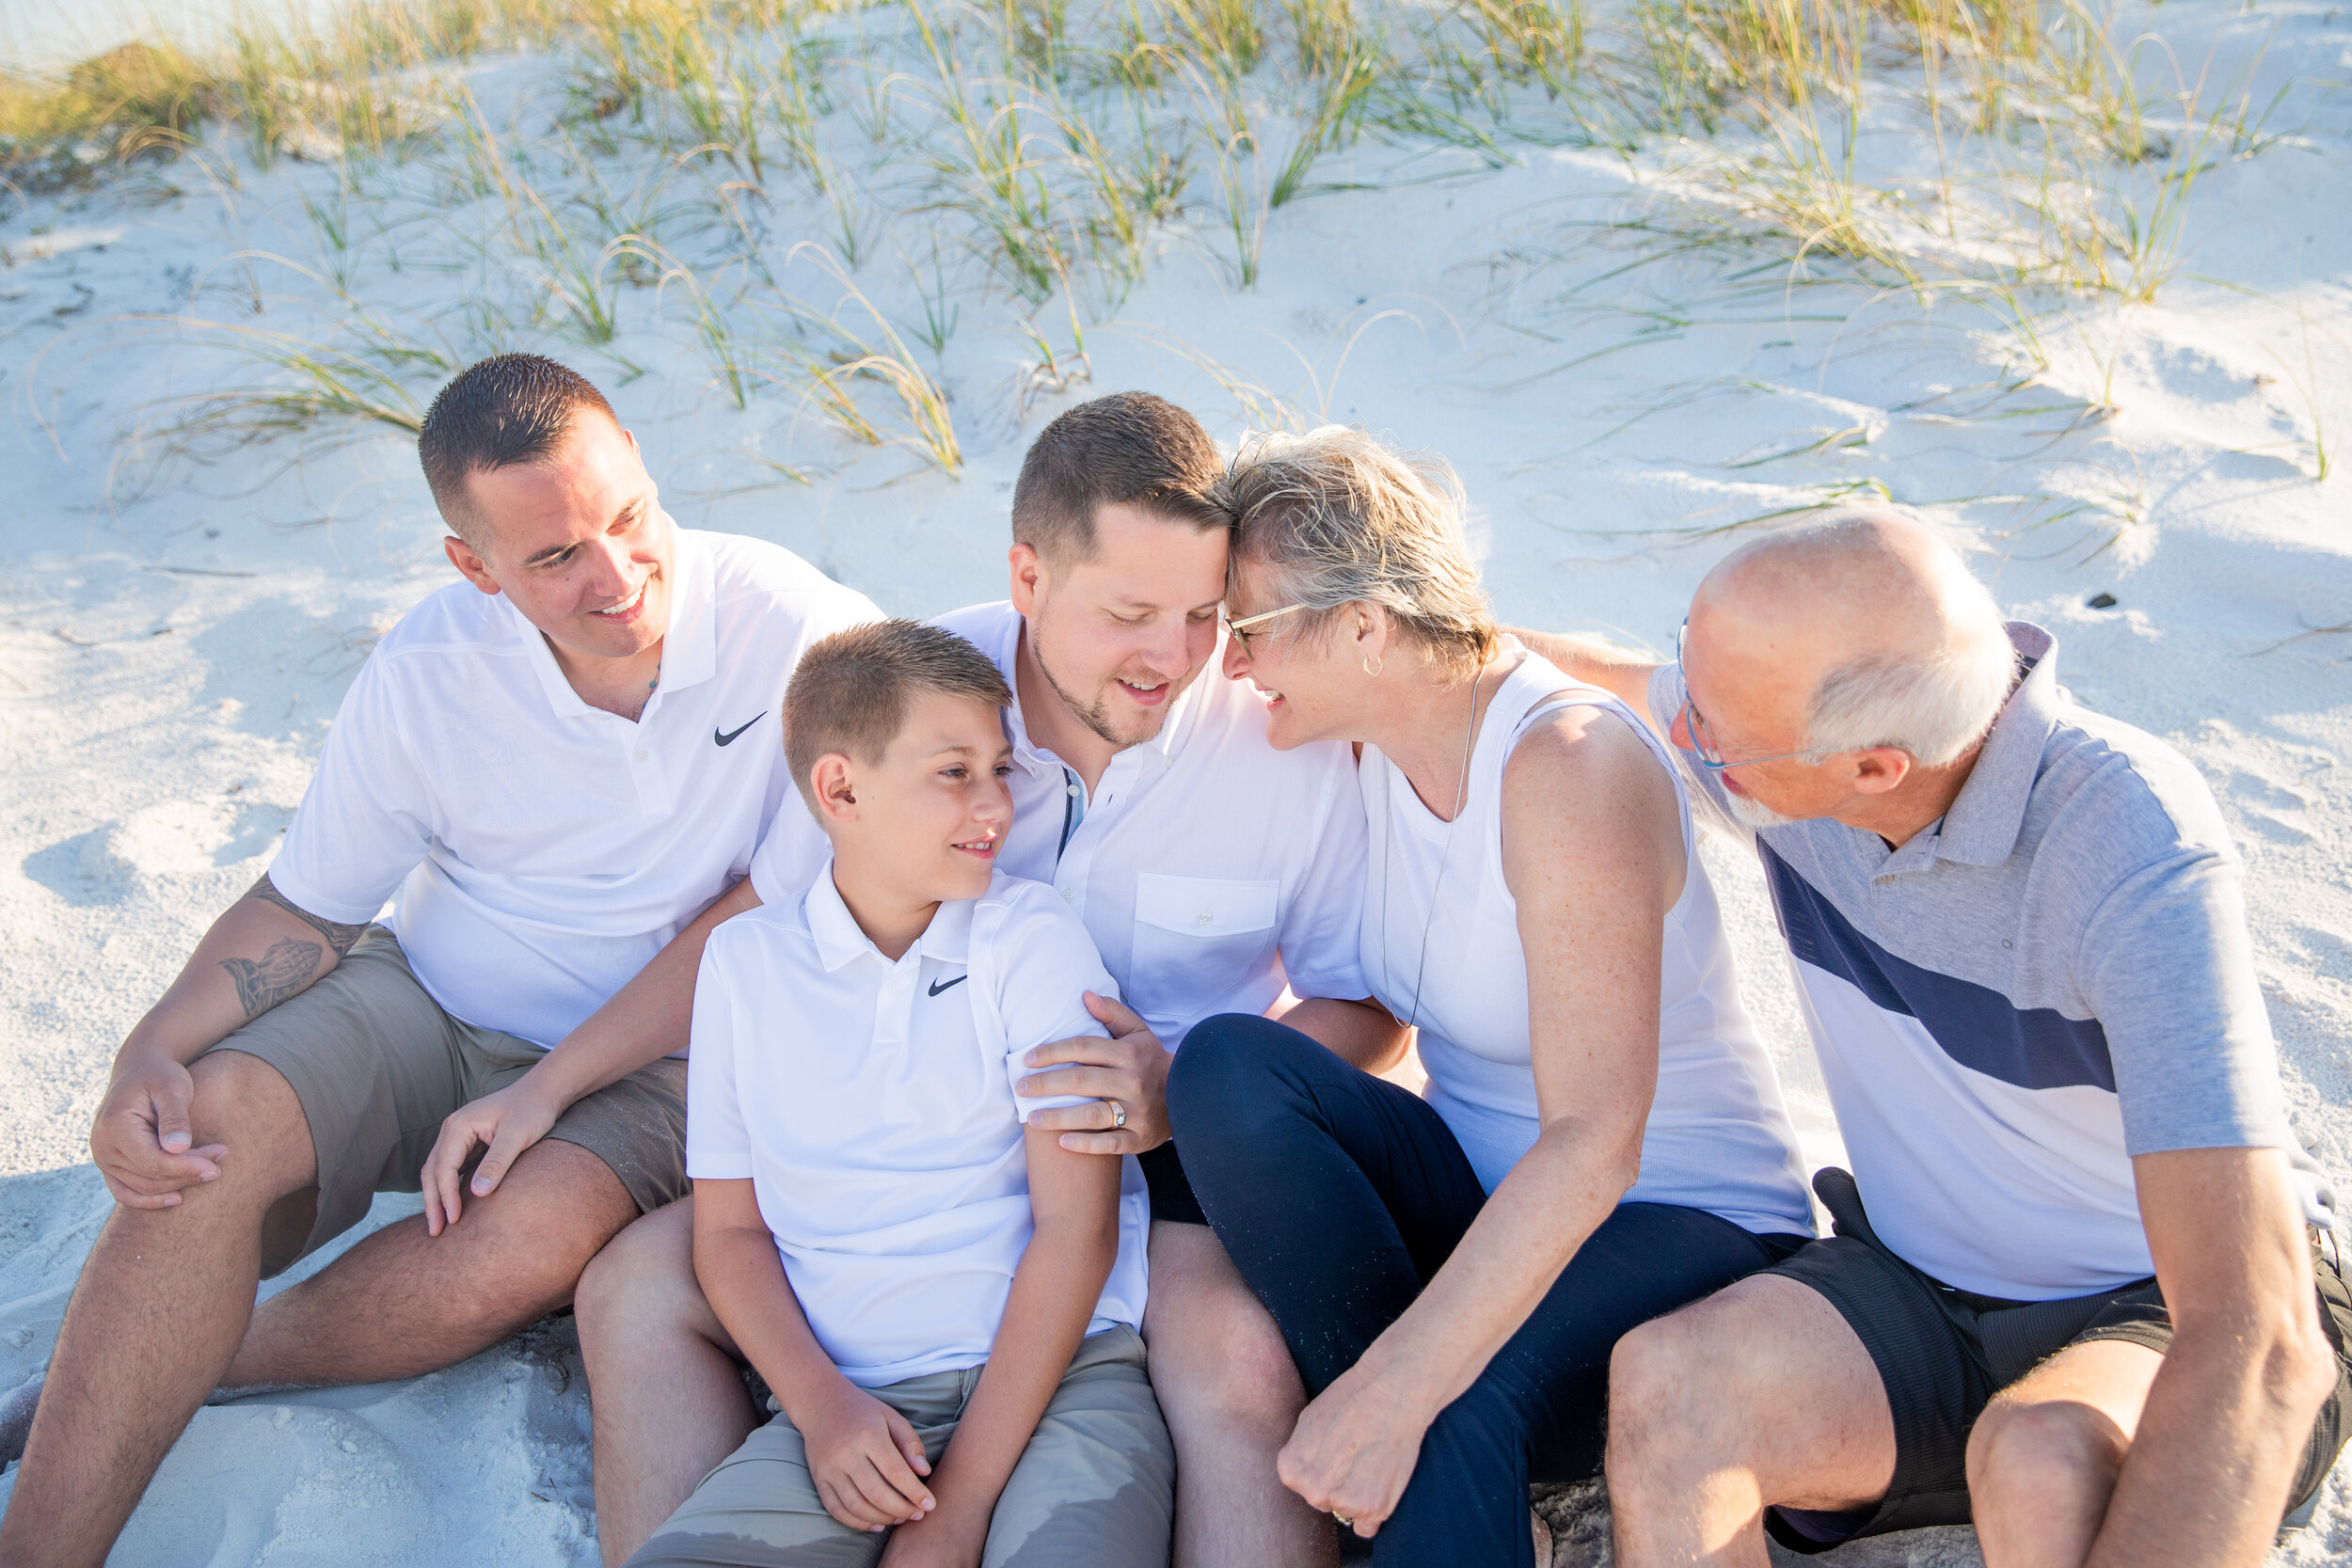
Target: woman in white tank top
x,y
1602,1139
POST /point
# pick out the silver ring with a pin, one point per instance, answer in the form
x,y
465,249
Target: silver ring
x,y
1118,1114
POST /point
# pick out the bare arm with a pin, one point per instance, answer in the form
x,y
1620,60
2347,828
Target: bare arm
x,y
1595,663
263,949
642,1023
1592,849
2206,1477
1076,1200
1361,1034
864,1456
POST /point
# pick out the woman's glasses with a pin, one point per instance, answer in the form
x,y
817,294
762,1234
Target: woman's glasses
x,y
1241,629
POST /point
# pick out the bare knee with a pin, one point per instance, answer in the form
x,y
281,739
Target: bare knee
x,y
1253,1381
2025,1447
1218,1361
643,1279
242,1102
1668,1393
518,1254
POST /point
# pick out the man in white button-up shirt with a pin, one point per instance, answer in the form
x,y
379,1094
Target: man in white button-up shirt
x,y
1215,874
558,765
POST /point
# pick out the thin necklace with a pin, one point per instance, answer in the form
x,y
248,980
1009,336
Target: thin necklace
x,y
651,686
1461,798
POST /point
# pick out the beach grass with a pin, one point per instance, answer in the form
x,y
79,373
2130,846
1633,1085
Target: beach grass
x,y
1012,156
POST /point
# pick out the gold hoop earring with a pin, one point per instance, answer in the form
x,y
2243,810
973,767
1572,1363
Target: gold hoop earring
x,y
1372,668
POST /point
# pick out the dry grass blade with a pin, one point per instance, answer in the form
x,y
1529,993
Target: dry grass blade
x,y
313,381
1264,408
873,351
1331,120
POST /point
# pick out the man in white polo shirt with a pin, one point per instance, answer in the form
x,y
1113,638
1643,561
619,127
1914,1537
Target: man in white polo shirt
x,y
1211,870
559,765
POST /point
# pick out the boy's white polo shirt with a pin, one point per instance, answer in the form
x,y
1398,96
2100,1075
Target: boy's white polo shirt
x,y
870,1104
544,849
1209,867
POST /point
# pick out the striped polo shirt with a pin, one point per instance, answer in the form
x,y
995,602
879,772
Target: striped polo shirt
x,y
2050,979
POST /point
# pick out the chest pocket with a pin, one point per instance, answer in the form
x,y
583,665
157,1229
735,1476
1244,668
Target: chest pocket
x,y
1197,937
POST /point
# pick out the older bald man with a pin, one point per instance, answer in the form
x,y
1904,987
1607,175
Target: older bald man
x,y
2071,1288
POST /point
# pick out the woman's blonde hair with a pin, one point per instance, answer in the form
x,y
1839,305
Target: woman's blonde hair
x,y
1334,517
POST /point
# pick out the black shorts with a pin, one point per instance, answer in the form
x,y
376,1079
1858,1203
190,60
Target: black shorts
x,y
1942,1354
1171,1191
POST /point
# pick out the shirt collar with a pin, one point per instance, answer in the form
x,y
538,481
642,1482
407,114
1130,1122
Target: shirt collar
x,y
689,648
948,938
841,942
1983,822
1002,644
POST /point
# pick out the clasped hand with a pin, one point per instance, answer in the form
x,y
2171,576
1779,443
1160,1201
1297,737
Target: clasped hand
x,y
1131,1067
866,1459
140,1139
1355,1448
867,1463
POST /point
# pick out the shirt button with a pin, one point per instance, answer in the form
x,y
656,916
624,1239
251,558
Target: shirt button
x,y
1069,895
1205,919
641,754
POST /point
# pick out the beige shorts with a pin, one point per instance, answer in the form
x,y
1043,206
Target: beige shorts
x,y
1096,1487
377,1065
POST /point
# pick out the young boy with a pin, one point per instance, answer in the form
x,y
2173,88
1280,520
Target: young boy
x,y
944,1302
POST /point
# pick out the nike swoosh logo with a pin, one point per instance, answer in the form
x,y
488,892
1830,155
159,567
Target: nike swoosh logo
x,y
938,986
728,740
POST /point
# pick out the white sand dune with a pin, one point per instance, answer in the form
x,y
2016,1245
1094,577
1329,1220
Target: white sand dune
x,y
174,638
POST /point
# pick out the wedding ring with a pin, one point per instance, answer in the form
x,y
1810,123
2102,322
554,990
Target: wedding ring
x,y
1118,1114
1345,1523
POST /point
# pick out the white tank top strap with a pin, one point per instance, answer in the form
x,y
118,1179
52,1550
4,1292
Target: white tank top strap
x,y
1576,694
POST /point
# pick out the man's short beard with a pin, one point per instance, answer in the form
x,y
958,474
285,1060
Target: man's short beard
x,y
1753,814
1096,716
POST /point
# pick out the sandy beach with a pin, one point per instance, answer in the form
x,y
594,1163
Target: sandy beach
x,y
1631,356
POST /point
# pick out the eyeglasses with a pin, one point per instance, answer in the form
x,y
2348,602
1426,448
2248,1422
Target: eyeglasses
x,y
1710,755
1241,629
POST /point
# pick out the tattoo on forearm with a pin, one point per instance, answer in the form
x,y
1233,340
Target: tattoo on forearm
x,y
285,969
340,937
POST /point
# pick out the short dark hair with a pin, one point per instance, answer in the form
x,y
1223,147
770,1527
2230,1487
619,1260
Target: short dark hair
x,y
506,409
851,691
1129,449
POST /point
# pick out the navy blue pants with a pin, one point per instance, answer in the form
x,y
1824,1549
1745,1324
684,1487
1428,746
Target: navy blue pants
x,y
1339,1195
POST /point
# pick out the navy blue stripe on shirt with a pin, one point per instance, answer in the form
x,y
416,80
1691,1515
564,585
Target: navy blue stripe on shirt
x,y
2034,1048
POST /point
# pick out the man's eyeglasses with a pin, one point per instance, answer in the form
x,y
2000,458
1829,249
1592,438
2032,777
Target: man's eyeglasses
x,y
1241,629
1709,755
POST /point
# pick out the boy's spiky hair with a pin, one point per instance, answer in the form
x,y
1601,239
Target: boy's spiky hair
x,y
850,693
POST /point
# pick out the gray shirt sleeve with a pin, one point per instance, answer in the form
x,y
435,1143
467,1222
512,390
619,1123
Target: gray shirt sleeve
x,y
2168,969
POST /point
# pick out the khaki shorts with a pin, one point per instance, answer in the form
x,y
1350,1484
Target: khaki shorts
x,y
378,1066
1096,1487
